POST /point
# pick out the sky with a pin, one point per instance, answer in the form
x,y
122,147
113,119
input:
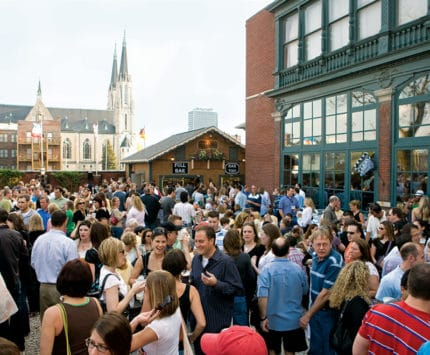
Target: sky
x,y
182,54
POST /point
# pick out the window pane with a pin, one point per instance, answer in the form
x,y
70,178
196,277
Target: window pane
x,y
337,9
412,172
417,87
313,45
307,128
317,127
313,17
370,20
357,121
414,120
370,120
291,54
357,137
409,10
361,3
330,125
341,123
331,105
307,110
291,27
339,33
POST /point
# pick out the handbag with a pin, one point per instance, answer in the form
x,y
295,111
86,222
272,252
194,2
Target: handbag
x,y
113,220
8,306
340,339
65,326
188,350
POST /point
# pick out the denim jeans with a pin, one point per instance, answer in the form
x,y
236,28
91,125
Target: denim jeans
x,y
321,325
240,311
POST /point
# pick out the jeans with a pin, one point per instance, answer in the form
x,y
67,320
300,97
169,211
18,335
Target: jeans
x,y
240,311
321,325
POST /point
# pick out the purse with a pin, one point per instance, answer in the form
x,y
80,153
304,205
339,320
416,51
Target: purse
x,y
65,326
340,339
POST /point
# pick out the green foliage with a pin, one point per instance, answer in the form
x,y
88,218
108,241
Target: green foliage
x,y
108,157
10,177
68,179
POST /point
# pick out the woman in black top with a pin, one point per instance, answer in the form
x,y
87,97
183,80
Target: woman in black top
x,y
189,298
349,295
232,247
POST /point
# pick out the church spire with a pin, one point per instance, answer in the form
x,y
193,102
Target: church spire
x,y
123,70
39,91
114,76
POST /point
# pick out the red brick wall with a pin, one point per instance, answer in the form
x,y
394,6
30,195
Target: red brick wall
x,y
384,161
262,132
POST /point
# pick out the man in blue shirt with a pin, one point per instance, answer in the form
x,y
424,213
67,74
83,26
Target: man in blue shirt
x,y
43,211
217,280
326,265
288,204
281,308
49,254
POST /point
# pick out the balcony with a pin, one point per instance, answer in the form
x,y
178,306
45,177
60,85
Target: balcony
x,y
350,57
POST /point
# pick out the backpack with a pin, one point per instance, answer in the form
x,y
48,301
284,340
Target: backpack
x,y
97,290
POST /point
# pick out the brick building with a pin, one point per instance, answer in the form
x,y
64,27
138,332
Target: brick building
x,y
338,98
202,155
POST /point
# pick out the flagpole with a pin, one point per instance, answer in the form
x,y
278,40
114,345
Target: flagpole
x,y
42,168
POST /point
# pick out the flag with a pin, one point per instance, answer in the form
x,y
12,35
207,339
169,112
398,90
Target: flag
x,y
142,134
36,132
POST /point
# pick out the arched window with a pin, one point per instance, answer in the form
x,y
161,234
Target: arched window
x,y
67,149
86,149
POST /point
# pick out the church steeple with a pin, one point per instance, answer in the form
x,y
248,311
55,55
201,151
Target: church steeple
x,y
123,70
39,91
114,76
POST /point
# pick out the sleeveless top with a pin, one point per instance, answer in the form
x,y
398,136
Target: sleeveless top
x,y
184,302
80,319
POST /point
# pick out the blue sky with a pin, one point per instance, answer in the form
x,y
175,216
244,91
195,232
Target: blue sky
x,y
182,54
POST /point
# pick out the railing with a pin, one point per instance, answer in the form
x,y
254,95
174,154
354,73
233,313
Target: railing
x,y
49,141
362,51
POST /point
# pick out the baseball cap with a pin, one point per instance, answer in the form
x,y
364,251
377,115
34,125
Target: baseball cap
x,y
419,193
234,340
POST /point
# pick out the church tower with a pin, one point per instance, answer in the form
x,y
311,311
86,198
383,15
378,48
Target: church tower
x,y
120,100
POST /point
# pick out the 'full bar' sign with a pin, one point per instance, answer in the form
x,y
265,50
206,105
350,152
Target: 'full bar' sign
x,y
180,168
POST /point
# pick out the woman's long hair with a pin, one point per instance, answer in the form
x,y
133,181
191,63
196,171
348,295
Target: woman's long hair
x,y
161,284
353,280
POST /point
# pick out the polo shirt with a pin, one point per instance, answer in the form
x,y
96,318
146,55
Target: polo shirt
x,y
390,285
324,273
395,328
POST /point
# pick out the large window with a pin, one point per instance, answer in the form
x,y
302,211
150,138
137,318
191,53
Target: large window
x,y
291,169
86,149
412,172
369,18
67,149
363,124
311,176
312,129
362,178
292,127
336,119
409,10
338,23
313,17
291,45
414,109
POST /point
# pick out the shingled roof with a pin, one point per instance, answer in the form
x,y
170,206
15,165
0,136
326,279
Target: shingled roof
x,y
154,151
72,119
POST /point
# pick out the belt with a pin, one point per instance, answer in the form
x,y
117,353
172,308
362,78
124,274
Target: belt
x,y
47,283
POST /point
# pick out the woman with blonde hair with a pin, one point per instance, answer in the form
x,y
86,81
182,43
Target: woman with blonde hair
x,y
160,335
349,295
35,228
115,292
354,206
422,211
52,207
305,217
137,211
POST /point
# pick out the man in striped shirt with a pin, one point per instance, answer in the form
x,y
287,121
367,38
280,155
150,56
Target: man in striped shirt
x,y
401,327
326,265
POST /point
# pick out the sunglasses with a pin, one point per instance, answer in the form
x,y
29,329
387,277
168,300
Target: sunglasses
x,y
350,232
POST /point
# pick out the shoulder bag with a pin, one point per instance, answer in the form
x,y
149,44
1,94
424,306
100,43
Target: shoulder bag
x,y
65,326
340,339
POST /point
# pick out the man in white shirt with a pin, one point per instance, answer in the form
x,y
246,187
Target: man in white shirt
x,y
377,215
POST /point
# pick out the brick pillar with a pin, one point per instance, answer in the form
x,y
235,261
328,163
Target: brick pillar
x,y
384,138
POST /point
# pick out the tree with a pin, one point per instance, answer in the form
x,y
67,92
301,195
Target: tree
x,y
108,157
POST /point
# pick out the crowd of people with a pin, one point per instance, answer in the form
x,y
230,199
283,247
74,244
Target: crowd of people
x,y
119,269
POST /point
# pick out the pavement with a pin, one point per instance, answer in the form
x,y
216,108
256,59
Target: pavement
x,y
32,341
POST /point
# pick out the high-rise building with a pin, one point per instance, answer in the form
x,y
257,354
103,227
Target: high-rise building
x,y
201,118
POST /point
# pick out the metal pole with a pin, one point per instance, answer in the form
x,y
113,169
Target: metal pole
x,y
42,168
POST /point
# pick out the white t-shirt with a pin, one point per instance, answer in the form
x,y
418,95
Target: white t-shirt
x,y
167,330
372,269
265,259
112,281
